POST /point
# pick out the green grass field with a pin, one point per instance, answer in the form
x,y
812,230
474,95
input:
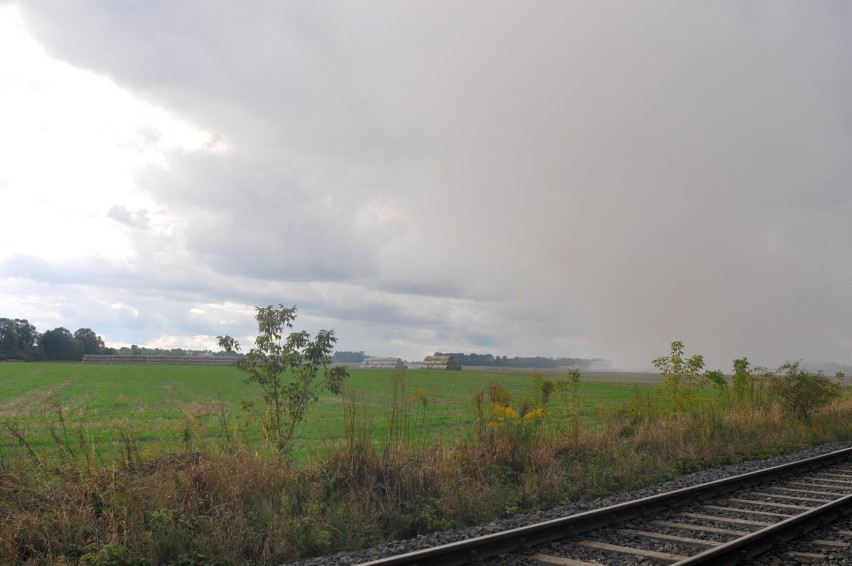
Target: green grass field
x,y
154,479
163,404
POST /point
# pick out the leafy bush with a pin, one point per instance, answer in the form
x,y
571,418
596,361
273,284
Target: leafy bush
x,y
800,392
684,377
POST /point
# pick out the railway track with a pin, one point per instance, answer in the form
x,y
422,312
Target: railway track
x,y
727,521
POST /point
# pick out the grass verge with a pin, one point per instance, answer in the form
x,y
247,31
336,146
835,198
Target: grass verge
x,y
224,503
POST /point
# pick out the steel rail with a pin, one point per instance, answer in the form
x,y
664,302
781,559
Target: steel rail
x,y
520,538
760,541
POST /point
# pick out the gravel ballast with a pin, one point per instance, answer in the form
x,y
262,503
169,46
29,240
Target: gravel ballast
x,y
444,537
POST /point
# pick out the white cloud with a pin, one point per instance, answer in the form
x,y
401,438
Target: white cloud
x,y
73,143
196,342
121,307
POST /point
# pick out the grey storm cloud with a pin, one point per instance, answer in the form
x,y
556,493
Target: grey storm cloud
x,y
557,178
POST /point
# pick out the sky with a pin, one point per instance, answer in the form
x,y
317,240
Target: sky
x,y
556,178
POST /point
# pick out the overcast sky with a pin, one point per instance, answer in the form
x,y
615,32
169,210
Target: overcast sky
x,y
565,178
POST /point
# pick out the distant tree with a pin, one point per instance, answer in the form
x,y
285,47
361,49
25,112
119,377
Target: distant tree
x,y
295,355
344,357
135,350
91,342
17,339
537,362
59,345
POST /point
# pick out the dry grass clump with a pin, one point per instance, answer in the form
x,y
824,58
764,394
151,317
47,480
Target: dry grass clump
x,y
157,511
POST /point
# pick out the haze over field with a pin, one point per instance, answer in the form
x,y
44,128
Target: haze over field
x,y
588,179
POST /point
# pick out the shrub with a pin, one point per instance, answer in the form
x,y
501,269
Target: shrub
x,y
800,392
684,377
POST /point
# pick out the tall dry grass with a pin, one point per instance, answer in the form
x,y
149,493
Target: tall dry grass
x,y
193,504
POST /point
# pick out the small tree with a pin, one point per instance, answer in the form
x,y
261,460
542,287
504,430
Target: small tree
x,y
296,354
743,381
684,377
568,398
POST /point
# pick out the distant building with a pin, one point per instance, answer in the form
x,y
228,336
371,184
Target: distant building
x,y
373,362
445,362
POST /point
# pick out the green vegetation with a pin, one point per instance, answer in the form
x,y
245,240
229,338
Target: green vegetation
x,y
20,340
162,405
685,377
301,359
165,465
801,392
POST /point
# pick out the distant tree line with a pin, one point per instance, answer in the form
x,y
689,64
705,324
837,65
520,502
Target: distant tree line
x,y
344,357
135,350
490,360
537,362
20,340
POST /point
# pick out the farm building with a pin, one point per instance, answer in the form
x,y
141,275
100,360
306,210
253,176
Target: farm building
x,y
442,361
380,362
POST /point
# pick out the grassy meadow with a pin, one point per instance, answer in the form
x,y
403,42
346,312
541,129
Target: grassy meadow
x,y
108,465
167,404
